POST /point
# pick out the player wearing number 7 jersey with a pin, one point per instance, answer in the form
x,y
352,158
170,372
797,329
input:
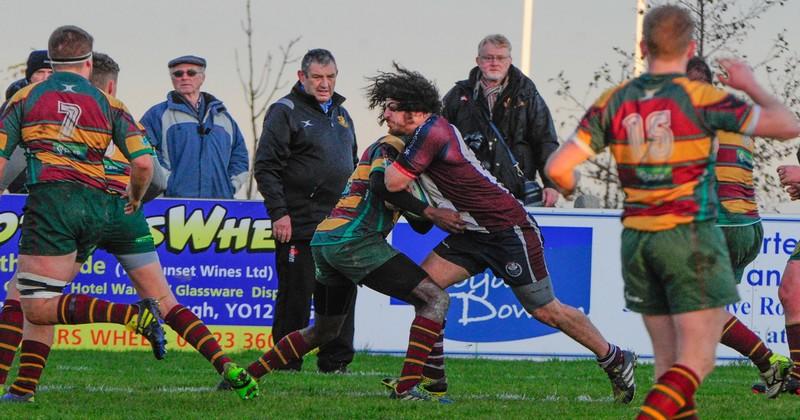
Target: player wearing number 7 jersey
x,y
660,128
131,244
65,125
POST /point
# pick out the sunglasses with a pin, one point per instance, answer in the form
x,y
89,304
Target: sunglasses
x,y
179,73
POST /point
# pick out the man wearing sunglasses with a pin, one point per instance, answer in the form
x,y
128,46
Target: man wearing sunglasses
x,y
197,140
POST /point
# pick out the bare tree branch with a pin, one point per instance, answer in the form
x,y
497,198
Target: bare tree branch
x,y
254,88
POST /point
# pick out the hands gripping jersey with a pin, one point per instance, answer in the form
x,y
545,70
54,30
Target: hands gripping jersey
x,y
660,130
734,171
66,124
455,179
359,212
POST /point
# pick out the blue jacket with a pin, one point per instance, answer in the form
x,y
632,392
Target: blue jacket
x,y
205,155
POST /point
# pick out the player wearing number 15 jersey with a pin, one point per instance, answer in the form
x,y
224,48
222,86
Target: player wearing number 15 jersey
x,y
675,264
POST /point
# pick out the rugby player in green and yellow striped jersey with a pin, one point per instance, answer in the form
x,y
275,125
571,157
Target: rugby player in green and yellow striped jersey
x,y
148,279
660,127
741,224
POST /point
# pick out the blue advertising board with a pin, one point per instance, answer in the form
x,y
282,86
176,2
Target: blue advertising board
x,y
218,257
484,309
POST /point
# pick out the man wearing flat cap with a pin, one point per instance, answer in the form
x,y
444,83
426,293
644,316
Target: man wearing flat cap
x,y
197,141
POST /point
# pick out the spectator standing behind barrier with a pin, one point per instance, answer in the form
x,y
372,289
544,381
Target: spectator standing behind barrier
x,y
197,141
37,69
305,156
499,101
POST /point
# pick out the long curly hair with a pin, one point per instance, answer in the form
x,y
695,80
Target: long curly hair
x,y
412,91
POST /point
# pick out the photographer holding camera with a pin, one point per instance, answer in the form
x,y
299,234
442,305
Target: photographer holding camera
x,y
505,122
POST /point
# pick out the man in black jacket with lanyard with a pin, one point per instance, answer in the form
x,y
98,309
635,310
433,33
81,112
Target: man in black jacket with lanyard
x,y
499,101
306,154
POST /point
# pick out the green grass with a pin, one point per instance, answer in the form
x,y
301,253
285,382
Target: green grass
x,y
91,384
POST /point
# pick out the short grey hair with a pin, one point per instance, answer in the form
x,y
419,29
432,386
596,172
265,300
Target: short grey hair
x,y
496,40
320,56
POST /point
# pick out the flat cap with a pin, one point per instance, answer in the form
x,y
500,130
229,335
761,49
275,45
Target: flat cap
x,y
187,59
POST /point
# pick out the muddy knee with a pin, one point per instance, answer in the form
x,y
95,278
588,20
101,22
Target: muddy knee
x,y
430,300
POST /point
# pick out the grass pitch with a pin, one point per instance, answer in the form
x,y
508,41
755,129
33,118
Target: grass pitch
x,y
91,384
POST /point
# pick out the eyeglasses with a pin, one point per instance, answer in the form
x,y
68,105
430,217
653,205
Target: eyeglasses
x,y
179,73
489,58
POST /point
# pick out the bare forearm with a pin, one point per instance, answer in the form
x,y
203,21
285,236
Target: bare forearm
x,y
15,166
561,167
140,180
3,162
762,97
565,182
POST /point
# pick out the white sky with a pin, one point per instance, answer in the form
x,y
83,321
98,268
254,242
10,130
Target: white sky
x,y
436,37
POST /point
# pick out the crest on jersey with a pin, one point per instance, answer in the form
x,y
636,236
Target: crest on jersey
x,y
513,269
342,121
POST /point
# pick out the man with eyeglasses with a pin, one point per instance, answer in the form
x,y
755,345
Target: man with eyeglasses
x,y
499,101
198,142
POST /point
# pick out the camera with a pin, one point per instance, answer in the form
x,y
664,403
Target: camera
x,y
474,140
533,194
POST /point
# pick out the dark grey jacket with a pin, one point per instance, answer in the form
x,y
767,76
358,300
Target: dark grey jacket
x,y
304,159
519,113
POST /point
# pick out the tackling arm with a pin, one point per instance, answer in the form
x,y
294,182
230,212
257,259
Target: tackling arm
x,y
401,199
446,219
396,178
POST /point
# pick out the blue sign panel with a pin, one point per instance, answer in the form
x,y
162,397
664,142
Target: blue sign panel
x,y
218,257
484,309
